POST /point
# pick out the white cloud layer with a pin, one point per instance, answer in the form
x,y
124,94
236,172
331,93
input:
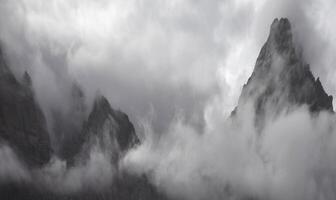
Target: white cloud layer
x,y
292,158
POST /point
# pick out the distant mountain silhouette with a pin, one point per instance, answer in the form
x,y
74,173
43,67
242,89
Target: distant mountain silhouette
x,y
23,127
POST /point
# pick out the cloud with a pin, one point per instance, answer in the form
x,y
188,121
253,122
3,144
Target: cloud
x,y
11,169
179,66
96,173
137,53
292,158
140,53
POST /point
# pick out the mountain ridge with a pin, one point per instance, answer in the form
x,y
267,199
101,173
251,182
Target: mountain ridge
x,y
23,127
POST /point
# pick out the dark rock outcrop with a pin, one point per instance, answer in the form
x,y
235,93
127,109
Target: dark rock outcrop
x,y
108,130
22,123
281,79
122,129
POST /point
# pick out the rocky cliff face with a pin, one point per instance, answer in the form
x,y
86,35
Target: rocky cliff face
x,y
23,127
108,130
22,123
120,127
281,79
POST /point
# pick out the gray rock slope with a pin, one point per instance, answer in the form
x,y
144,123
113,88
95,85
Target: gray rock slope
x,y
106,129
281,79
22,123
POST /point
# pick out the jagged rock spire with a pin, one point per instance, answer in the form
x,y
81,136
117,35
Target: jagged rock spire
x,y
22,123
102,111
281,34
281,79
107,129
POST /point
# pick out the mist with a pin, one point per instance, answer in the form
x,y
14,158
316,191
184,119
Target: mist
x,y
292,158
177,69
140,53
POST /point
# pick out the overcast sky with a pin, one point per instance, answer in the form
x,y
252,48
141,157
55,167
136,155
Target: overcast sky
x,y
159,59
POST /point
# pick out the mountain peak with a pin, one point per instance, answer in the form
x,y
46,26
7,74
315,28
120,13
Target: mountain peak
x,y
279,44
283,24
281,35
101,103
281,79
119,125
